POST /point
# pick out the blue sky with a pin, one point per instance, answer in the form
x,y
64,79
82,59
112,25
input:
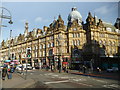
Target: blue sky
x,y
39,14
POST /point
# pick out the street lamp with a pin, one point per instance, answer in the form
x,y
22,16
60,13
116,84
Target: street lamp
x,y
3,16
60,60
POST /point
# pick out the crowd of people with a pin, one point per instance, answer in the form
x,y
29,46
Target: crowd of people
x,y
7,71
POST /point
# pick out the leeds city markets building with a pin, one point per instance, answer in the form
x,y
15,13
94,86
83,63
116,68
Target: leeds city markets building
x,y
94,42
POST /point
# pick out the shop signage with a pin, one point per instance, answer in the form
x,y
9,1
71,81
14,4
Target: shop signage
x,y
64,62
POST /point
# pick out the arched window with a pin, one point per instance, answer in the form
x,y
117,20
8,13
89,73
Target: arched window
x,y
48,45
73,35
100,42
41,46
104,42
50,52
113,43
110,43
78,42
52,44
73,42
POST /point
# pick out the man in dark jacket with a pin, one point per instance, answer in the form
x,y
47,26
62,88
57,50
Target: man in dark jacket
x,y
4,72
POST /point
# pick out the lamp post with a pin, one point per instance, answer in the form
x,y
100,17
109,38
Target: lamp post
x,y
60,59
9,46
2,16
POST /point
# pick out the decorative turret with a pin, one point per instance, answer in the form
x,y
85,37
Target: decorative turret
x,y
3,43
117,23
100,23
26,29
60,19
89,18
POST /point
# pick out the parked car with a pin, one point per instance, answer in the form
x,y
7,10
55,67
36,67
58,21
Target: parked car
x,y
19,68
1,67
28,66
113,69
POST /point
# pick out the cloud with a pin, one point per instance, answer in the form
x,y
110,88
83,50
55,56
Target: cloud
x,y
102,10
105,9
40,19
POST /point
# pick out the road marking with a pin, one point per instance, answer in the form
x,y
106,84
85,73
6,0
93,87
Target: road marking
x,y
56,82
85,84
55,75
101,81
112,85
78,79
64,77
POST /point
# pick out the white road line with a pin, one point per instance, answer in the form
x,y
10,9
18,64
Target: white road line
x,y
85,84
64,77
107,86
78,79
55,75
115,85
101,81
56,82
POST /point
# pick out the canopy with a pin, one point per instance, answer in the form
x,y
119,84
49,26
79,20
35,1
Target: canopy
x,y
15,60
7,60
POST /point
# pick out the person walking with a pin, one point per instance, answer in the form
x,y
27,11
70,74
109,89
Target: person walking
x,y
4,72
84,68
10,71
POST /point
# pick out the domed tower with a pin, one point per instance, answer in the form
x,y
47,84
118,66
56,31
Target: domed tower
x,y
74,15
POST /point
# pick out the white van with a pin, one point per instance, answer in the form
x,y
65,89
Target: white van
x,y
23,67
28,66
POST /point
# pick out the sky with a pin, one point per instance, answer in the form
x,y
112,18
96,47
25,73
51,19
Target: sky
x,y
39,14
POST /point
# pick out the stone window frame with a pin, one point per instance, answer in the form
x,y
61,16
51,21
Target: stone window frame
x,y
78,42
41,46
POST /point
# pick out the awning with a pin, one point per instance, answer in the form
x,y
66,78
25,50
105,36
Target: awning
x,y
7,60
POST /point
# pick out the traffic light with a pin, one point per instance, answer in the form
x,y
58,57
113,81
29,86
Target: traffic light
x,y
28,52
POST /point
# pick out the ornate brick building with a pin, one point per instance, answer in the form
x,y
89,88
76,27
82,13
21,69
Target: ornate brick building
x,y
77,43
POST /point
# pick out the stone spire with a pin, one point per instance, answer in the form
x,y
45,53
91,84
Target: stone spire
x,y
26,28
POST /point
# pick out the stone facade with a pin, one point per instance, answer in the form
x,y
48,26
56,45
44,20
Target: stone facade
x,y
75,42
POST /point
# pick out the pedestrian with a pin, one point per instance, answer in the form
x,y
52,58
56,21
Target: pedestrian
x,y
67,68
9,74
64,69
84,68
98,70
79,68
22,69
4,72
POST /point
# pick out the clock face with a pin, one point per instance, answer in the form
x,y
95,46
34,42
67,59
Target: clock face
x,y
74,29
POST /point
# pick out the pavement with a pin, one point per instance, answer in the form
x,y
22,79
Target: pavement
x,y
20,82
17,82
103,74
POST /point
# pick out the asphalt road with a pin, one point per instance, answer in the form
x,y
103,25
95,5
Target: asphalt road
x,y
46,79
